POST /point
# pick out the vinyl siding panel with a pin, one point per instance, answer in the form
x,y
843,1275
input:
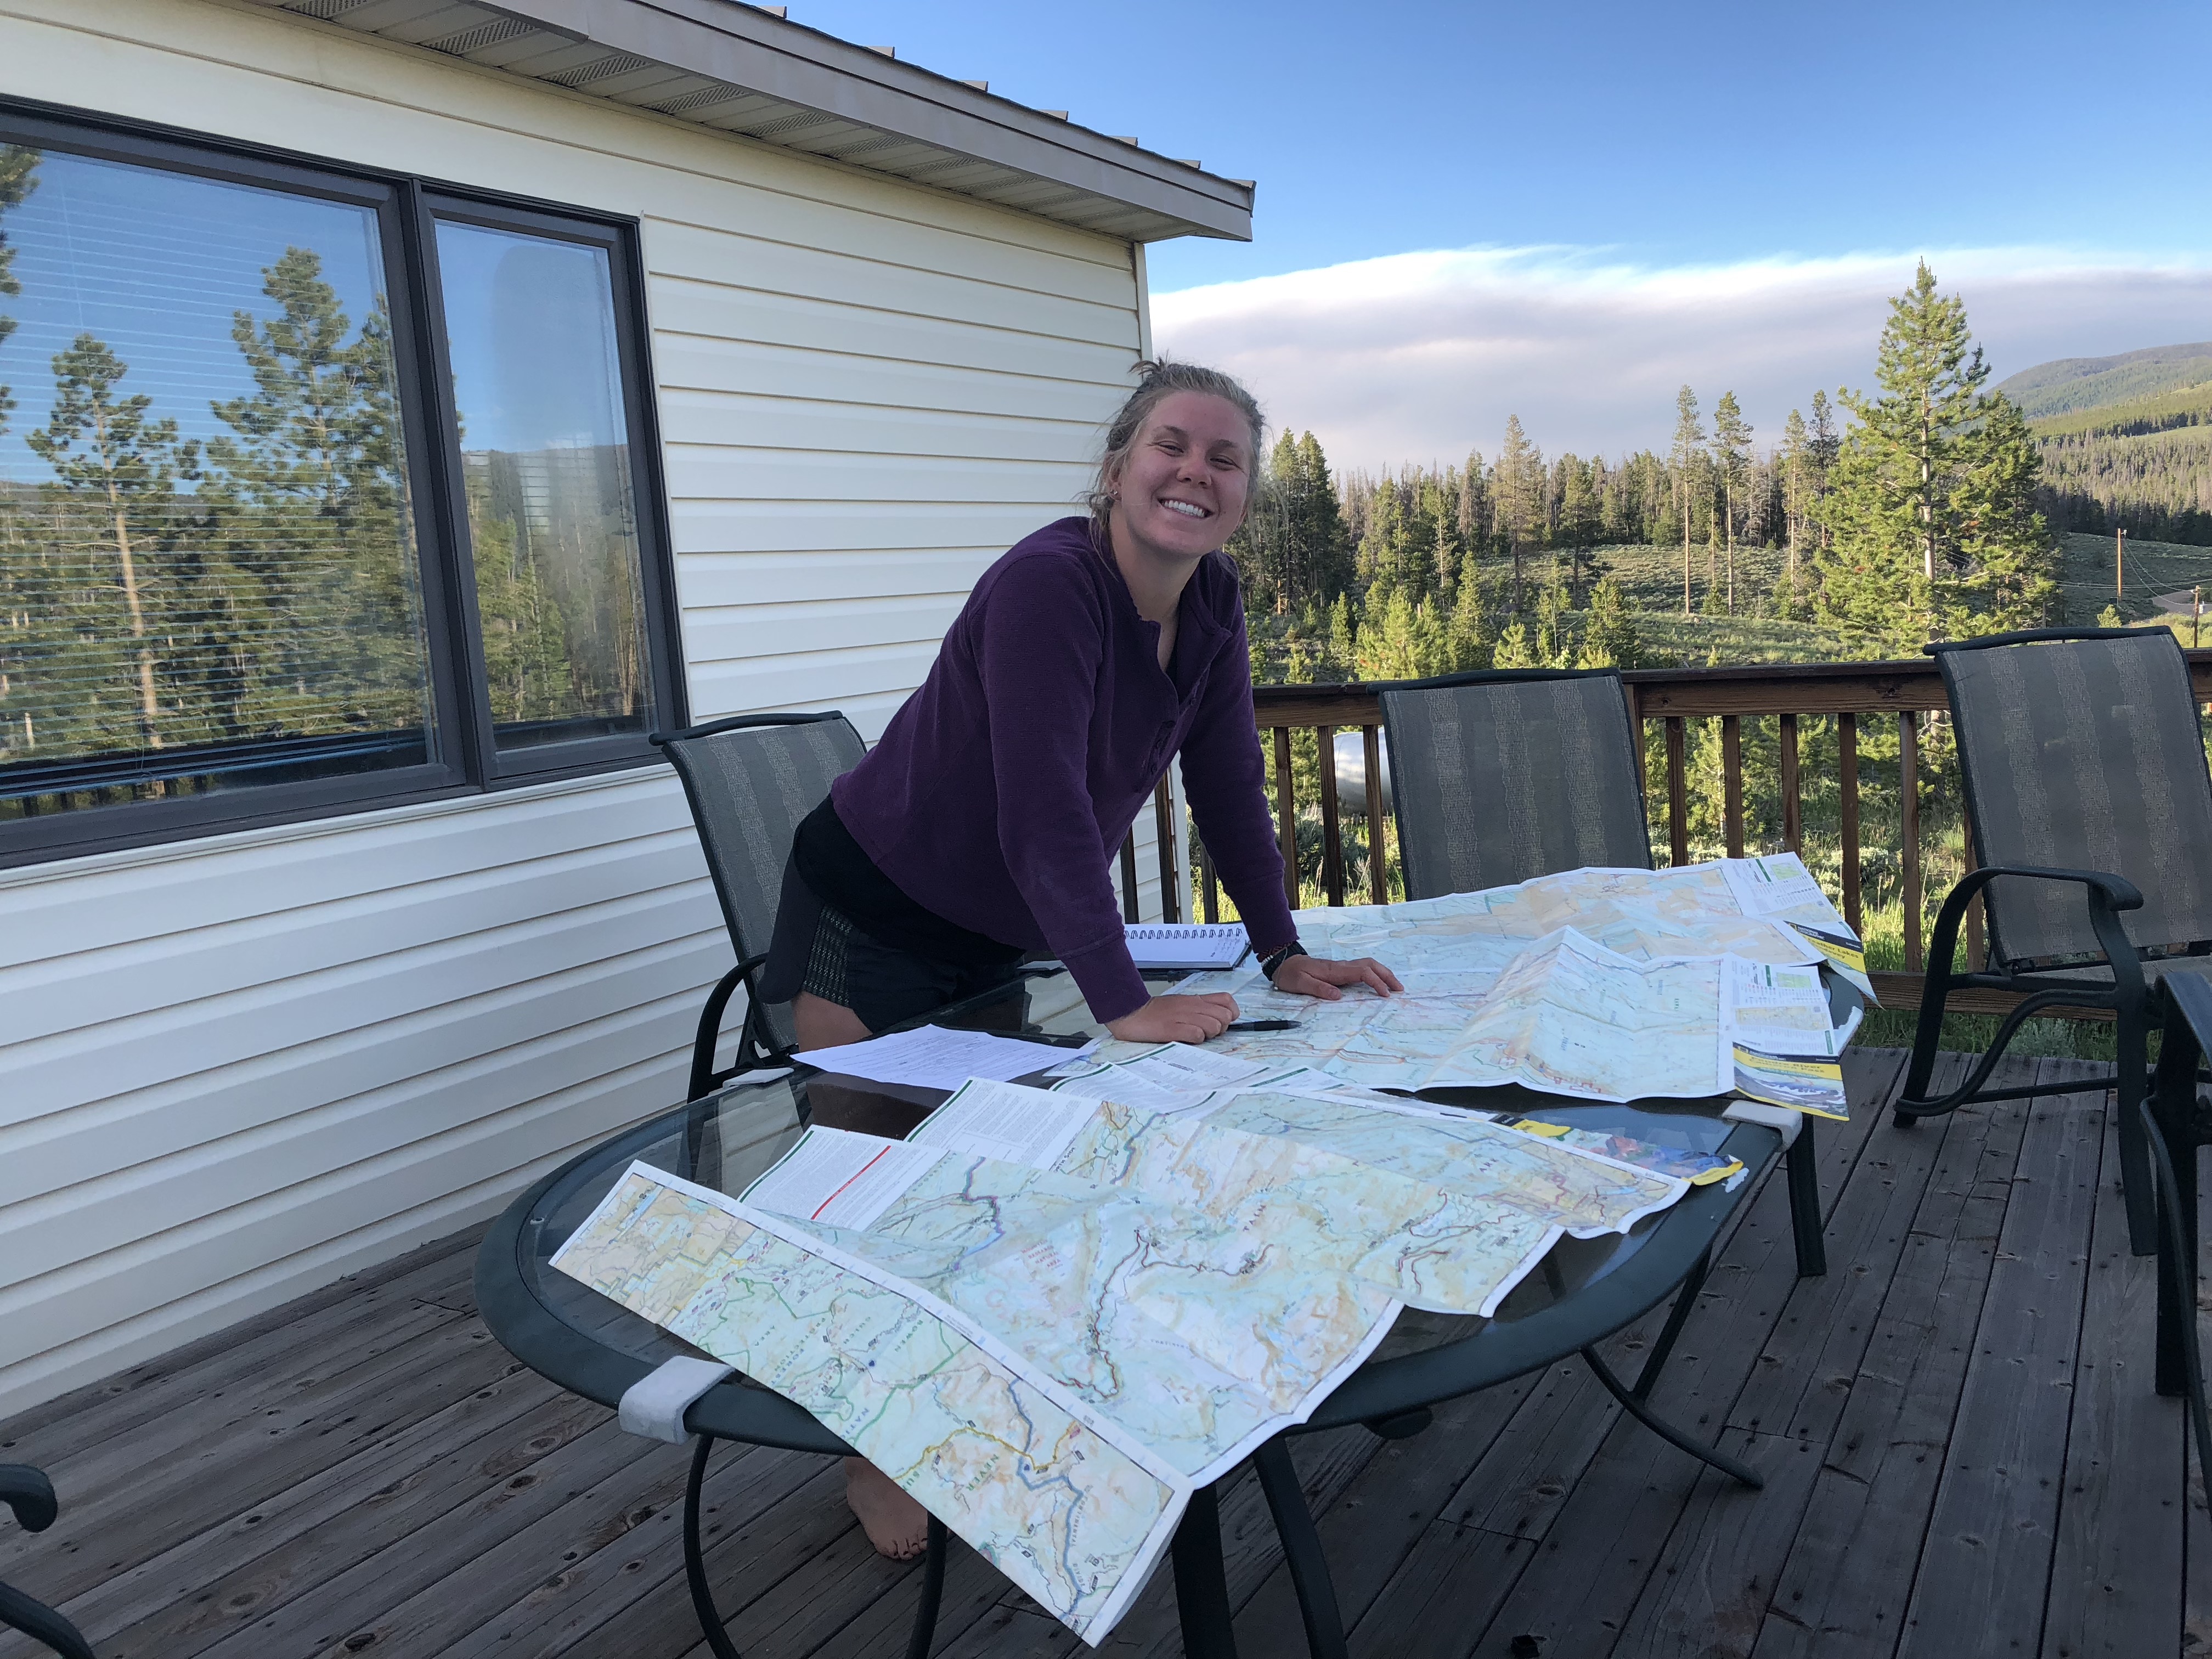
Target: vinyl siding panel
x,y
240,1067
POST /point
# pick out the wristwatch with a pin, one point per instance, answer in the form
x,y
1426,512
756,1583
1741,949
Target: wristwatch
x,y
1275,959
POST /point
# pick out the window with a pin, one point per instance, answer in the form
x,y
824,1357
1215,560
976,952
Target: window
x,y
318,491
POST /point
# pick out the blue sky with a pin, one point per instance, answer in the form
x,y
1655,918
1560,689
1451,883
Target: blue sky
x,y
1720,194
1671,133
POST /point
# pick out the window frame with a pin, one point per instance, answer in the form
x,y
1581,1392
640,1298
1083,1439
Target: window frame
x,y
463,759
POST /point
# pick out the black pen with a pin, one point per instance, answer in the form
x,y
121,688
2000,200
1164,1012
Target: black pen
x,y
1262,1025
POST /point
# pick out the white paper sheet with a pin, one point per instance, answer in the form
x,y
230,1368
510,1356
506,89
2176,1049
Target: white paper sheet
x,y
840,1178
933,1057
1005,1122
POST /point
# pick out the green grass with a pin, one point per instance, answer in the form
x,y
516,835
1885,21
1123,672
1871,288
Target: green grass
x,y
2152,568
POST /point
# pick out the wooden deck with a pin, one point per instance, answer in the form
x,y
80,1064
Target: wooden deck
x,y
1963,1452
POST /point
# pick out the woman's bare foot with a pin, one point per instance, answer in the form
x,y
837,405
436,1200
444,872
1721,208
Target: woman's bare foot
x,y
896,1525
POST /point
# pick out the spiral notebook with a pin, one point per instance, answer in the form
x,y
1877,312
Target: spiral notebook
x,y
1187,947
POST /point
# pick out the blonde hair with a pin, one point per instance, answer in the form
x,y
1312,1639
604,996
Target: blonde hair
x,y
1157,381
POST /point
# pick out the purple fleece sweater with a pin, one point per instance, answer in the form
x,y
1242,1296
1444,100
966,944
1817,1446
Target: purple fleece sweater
x,y
1002,789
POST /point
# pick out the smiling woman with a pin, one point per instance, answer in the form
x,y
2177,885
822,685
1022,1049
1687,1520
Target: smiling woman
x,y
981,827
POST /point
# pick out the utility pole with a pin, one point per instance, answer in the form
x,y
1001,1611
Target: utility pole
x,y
2196,615
2119,562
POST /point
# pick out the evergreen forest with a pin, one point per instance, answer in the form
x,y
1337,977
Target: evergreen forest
x,y
1928,507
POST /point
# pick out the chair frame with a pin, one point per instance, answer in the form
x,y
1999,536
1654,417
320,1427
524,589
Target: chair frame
x,y
2175,1123
1801,1160
757,1044
2137,1003
30,1496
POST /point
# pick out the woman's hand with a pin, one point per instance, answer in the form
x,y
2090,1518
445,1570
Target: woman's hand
x,y
1317,976
1177,1019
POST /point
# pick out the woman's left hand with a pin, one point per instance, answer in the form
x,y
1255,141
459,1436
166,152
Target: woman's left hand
x,y
1317,976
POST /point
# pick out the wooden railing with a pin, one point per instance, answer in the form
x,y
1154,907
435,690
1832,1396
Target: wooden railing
x,y
1851,693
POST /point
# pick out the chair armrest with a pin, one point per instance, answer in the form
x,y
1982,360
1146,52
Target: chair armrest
x,y
2106,895
2117,892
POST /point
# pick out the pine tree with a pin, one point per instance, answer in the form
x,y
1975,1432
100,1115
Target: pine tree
x,y
1688,450
1514,650
121,470
19,177
1322,563
1796,479
2005,553
1518,497
309,582
1470,631
1929,504
1731,452
1609,636
1579,513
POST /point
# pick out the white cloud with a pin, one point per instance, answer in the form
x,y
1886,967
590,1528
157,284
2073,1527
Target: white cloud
x,y
1421,357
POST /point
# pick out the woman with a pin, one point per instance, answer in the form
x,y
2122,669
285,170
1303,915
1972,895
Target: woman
x,y
982,826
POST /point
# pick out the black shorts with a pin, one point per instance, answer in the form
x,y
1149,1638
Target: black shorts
x,y
818,948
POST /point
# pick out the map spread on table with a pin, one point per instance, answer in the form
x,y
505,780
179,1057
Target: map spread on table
x,y
1051,1315
1595,984
1051,1318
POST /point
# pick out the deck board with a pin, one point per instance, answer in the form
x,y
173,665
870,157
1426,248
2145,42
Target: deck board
x,y
365,1472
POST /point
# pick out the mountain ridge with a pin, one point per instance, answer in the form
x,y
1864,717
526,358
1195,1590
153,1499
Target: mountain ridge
x,y
2065,386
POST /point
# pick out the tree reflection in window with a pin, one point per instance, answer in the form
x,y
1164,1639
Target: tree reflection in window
x,y
208,574
531,328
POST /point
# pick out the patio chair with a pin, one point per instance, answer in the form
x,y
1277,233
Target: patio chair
x,y
2087,786
2175,1124
749,781
30,1495
1507,774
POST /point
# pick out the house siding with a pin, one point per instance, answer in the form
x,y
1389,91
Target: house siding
x,y
239,1067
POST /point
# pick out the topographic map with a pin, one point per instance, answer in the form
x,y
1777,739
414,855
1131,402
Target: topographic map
x,y
1051,1318
1051,1315
1071,1515
1595,984
1447,1217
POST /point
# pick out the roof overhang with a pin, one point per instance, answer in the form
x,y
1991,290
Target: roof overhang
x,y
738,68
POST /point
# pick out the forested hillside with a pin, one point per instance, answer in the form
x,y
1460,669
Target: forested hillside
x,y
2069,385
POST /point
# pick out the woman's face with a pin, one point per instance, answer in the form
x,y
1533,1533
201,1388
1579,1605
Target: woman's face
x,y
1182,493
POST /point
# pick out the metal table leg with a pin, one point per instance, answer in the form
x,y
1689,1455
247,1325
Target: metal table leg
x,y
1302,1551
1804,1166
1634,1399
1201,1580
710,1617
694,1562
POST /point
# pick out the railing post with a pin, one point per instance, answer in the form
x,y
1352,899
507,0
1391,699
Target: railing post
x,y
1163,818
1908,798
1332,831
1287,815
1378,888
1847,768
1793,801
1732,784
1678,796
1209,890
1129,876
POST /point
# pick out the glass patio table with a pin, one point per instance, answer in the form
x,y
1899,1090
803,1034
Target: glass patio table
x,y
1584,1291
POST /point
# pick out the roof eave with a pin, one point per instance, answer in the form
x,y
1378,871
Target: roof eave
x,y
936,123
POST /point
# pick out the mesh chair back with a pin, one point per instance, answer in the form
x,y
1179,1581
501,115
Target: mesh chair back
x,y
2084,753
1502,777
750,781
